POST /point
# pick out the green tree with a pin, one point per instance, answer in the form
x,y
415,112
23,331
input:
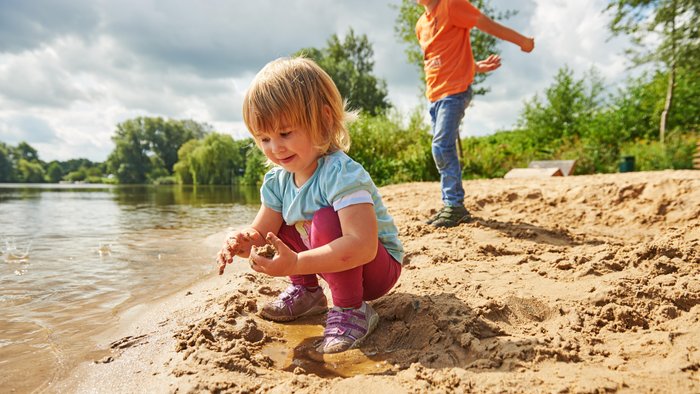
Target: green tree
x,y
26,152
350,63
158,170
146,148
82,170
129,161
216,160
676,22
483,44
54,172
183,169
30,171
686,110
255,167
7,168
635,109
165,137
22,163
567,110
75,164
79,175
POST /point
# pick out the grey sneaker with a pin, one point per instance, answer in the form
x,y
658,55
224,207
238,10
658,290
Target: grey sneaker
x,y
451,216
296,301
436,216
347,328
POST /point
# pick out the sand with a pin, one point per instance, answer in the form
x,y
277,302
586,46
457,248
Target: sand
x,y
580,284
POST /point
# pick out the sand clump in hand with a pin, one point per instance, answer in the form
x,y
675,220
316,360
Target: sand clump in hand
x,y
267,251
574,284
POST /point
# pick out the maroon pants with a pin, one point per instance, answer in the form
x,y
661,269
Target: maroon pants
x,y
348,288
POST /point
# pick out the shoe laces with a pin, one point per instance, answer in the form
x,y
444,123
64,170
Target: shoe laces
x,y
340,321
291,294
452,212
440,212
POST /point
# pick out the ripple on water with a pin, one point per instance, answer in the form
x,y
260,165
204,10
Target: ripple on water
x,y
14,299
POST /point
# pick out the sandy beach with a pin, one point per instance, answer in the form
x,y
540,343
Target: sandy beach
x,y
582,284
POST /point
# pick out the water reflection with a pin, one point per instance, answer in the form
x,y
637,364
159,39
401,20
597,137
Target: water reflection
x,y
91,251
186,195
139,194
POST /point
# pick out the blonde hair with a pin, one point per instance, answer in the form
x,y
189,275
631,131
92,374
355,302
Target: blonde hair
x,y
295,92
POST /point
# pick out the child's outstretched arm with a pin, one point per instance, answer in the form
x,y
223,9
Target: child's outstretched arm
x,y
239,243
489,26
357,246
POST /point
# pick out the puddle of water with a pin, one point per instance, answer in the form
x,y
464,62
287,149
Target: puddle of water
x,y
296,351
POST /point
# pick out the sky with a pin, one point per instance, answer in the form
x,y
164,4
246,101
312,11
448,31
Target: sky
x,y
71,70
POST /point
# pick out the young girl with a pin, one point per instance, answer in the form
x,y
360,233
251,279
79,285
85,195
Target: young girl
x,y
320,209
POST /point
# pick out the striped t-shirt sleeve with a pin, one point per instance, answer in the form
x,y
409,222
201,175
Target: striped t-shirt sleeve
x,y
358,197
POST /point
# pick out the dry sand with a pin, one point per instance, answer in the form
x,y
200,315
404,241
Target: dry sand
x,y
581,284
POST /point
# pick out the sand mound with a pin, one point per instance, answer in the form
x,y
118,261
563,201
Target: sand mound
x,y
577,284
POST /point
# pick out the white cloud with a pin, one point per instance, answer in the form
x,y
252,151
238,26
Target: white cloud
x,y
81,75
567,33
577,34
36,78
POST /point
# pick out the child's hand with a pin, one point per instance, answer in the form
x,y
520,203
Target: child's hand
x,y
528,45
489,64
282,264
237,244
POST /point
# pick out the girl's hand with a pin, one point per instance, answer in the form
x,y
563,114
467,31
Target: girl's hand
x,y
283,264
237,244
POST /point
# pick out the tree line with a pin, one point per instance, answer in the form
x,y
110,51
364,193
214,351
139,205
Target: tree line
x,y
653,117
21,163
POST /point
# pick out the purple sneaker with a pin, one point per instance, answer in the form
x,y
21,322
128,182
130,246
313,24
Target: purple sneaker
x,y
296,301
347,328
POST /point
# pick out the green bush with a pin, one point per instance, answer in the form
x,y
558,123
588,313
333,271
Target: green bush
x,y
255,167
390,152
676,153
494,155
93,179
217,159
109,180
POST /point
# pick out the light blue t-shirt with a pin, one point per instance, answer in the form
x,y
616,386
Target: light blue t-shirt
x,y
339,182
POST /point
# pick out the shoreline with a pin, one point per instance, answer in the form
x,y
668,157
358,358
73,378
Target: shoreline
x,y
156,320
137,320
571,284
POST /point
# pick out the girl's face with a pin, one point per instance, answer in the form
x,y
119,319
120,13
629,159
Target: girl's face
x,y
291,148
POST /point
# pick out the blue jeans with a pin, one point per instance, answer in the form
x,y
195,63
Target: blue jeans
x,y
446,114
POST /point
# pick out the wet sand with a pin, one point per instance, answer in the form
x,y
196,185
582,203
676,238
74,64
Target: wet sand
x,y
578,284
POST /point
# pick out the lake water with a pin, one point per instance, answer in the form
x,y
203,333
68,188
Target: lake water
x,y
94,251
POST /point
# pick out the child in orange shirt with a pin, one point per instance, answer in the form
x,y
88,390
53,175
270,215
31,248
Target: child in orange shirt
x,y
443,33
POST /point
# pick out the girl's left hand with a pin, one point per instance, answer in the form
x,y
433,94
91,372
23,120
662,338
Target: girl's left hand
x,y
282,264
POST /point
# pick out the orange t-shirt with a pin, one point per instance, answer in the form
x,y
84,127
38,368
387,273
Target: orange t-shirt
x,y
447,51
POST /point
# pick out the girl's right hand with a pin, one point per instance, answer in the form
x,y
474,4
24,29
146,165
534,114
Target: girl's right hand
x,y
236,244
